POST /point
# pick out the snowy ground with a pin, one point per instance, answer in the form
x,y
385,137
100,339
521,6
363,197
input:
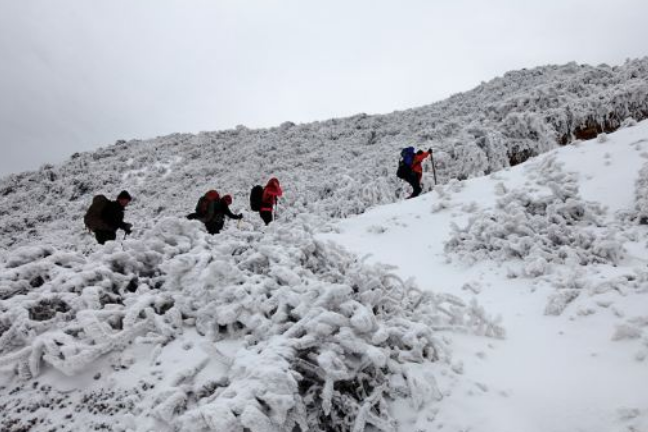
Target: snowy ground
x,y
581,368
271,328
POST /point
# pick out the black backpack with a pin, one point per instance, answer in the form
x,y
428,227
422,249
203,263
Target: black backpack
x,y
404,171
405,164
93,220
256,198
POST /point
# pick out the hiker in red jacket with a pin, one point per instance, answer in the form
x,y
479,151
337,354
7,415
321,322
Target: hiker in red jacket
x,y
417,171
271,192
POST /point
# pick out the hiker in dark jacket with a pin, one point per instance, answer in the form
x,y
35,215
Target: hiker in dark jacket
x,y
105,217
271,193
211,210
215,220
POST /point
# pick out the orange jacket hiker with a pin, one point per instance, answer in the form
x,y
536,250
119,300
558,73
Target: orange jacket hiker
x,y
417,165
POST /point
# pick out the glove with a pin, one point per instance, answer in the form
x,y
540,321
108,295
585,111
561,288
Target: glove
x,y
430,150
239,216
127,228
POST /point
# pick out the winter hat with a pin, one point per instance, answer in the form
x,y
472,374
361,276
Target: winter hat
x,y
124,195
227,199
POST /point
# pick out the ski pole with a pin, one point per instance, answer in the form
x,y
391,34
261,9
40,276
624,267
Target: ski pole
x,y
433,166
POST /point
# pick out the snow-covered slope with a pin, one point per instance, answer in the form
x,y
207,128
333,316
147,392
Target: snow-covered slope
x,y
553,247
179,330
333,168
268,328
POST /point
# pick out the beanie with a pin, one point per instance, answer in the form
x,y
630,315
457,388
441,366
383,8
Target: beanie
x,y
124,195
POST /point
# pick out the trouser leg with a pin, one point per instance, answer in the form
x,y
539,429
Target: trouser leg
x,y
214,227
415,182
104,236
266,216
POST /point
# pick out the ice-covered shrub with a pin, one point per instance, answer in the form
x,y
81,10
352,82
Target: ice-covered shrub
x,y
641,195
629,122
328,340
559,301
555,226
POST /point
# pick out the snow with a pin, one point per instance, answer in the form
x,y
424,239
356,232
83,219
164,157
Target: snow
x,y
314,336
581,368
501,299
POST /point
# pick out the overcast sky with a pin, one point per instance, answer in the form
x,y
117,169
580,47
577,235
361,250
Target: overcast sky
x,y
79,74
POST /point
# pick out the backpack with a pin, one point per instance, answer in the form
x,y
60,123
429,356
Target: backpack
x,y
256,198
92,218
405,163
407,156
403,171
203,203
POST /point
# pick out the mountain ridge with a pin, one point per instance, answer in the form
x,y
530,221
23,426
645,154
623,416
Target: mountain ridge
x,y
336,167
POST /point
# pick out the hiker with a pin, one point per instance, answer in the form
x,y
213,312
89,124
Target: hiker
x,y
271,192
105,217
212,209
410,168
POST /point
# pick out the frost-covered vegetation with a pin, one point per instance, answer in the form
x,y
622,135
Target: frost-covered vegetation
x,y
641,196
323,340
332,168
545,224
327,340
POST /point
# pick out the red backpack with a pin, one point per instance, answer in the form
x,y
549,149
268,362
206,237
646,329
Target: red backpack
x,y
205,201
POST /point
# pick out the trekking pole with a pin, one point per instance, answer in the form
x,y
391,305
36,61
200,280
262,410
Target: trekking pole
x,y
123,240
433,166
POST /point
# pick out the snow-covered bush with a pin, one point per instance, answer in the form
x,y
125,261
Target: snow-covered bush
x,y
641,195
555,226
629,122
328,340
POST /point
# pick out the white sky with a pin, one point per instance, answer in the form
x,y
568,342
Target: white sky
x,y
79,74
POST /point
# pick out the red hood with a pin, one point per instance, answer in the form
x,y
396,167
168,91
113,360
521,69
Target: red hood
x,y
273,187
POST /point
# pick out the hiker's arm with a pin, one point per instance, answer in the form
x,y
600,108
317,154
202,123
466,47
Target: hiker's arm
x,y
231,215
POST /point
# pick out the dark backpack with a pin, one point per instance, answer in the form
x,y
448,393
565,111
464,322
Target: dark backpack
x,y
92,219
405,163
204,202
256,198
404,171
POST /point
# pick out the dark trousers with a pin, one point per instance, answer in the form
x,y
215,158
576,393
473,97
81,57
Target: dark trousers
x,y
214,227
104,236
266,216
415,182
